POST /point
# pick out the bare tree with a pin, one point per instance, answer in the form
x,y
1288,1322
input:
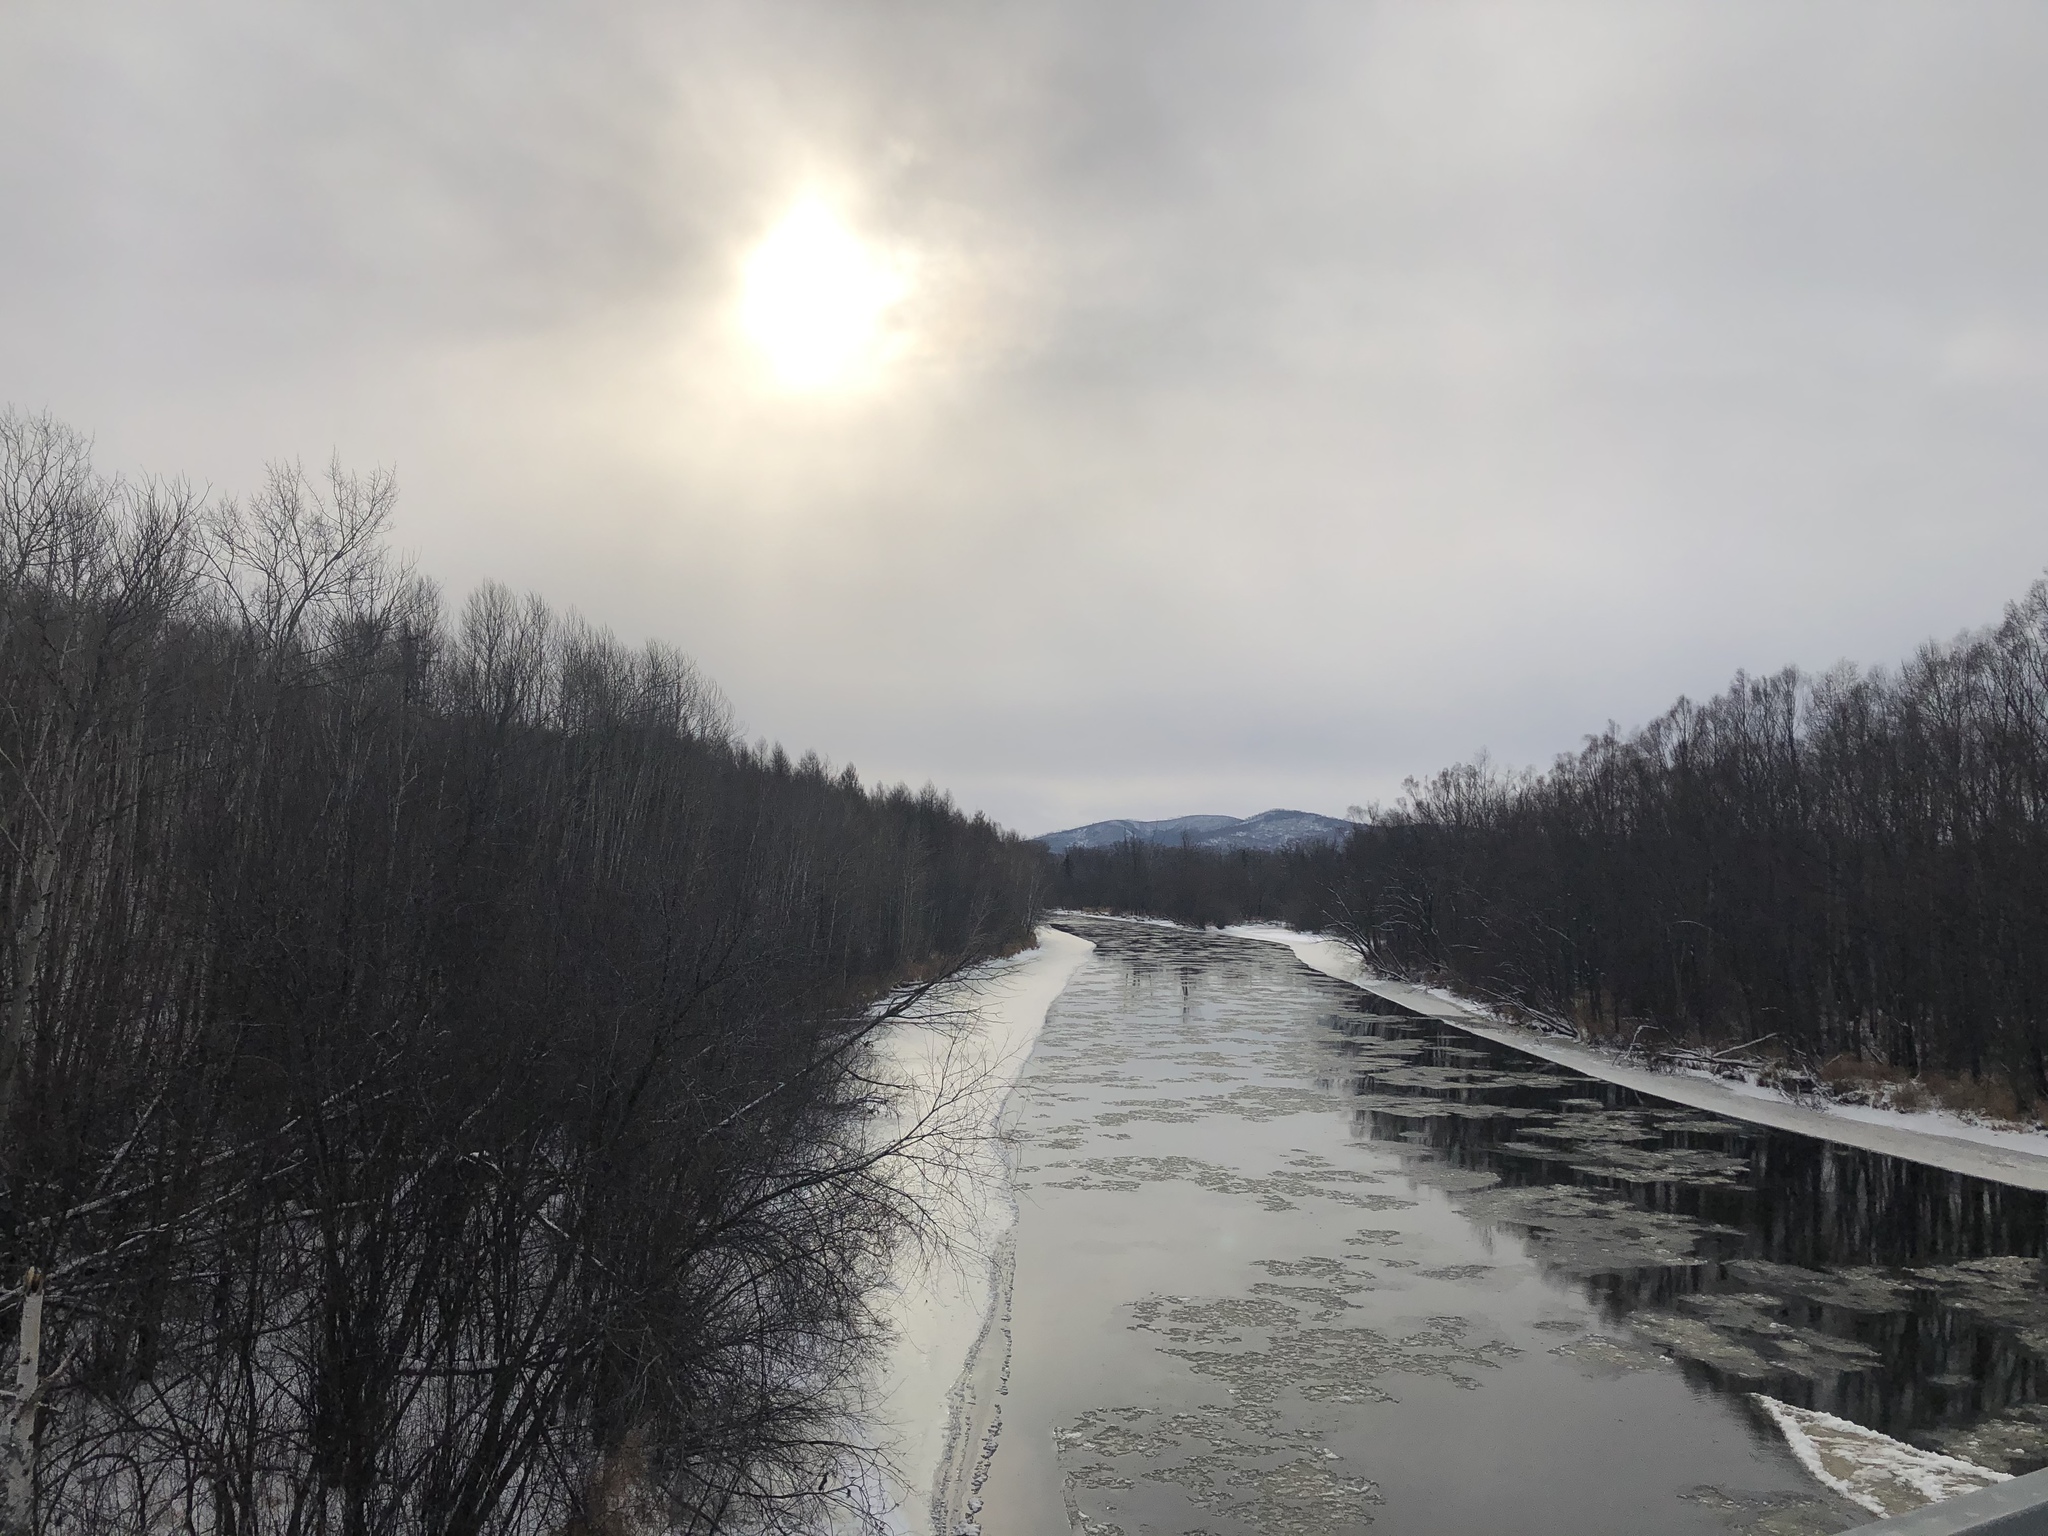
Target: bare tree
x,y
438,1061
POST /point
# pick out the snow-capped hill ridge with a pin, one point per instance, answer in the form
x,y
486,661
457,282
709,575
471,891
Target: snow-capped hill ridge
x,y
1267,830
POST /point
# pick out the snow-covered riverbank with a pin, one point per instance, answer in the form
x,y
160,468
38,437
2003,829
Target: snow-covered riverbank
x,y
940,1306
1883,1475
1937,1138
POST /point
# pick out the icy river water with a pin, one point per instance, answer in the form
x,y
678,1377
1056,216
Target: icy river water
x,y
1288,1260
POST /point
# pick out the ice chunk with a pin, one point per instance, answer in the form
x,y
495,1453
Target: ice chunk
x,y
1885,1476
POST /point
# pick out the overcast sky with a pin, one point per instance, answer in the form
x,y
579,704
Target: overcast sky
x,y
1273,400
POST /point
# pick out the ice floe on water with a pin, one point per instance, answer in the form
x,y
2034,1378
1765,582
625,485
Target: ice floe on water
x,y
1885,1476
1233,1462
1293,1260
1287,1263
1939,1138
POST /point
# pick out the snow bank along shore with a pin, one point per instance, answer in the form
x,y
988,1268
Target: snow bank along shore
x,y
1936,1138
1885,1476
941,1308
945,1312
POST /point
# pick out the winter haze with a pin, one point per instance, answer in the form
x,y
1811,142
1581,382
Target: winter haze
x,y
1256,404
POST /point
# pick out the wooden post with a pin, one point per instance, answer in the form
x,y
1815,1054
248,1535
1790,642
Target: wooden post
x,y
18,1451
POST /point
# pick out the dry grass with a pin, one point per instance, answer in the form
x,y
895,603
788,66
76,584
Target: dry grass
x,y
1868,1082
1911,1096
1991,1097
1862,1082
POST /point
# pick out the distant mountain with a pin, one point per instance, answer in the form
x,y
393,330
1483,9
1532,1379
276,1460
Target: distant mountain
x,y
1267,830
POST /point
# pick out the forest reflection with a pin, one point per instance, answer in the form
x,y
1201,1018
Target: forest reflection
x,y
1904,1297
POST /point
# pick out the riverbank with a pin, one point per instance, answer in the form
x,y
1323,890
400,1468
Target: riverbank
x,y
942,1305
1286,1262
1937,1139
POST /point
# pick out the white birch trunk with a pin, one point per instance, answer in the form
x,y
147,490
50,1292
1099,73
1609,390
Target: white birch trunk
x,y
18,1452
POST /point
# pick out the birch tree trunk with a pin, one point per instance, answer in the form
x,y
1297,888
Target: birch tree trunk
x,y
18,1452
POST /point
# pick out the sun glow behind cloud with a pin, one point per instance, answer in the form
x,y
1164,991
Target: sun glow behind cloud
x,y
817,300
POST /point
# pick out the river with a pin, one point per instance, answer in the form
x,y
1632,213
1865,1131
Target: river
x,y
1289,1260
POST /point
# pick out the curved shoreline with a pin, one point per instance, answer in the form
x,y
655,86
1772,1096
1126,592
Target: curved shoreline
x,y
930,1395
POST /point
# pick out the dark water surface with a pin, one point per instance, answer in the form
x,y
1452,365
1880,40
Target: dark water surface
x,y
1291,1260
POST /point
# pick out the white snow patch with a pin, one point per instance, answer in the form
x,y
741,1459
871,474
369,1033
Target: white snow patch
x,y
937,1307
1885,1476
1937,1138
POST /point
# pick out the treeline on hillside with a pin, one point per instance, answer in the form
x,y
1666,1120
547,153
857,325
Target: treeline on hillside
x,y
1854,864
1204,887
436,1084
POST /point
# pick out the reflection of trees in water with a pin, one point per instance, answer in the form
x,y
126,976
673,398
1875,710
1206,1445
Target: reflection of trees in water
x,y
1903,1297
1262,1353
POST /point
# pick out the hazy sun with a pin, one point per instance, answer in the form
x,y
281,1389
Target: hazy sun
x,y
815,299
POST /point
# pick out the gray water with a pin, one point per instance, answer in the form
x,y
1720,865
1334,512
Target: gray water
x,y
1289,1260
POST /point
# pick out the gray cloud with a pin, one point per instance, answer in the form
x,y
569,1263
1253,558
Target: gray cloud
x,y
1310,394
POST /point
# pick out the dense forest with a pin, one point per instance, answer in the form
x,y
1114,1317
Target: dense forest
x,y
1854,865
437,1085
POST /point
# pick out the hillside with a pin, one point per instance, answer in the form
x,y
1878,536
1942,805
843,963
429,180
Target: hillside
x,y
1267,831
